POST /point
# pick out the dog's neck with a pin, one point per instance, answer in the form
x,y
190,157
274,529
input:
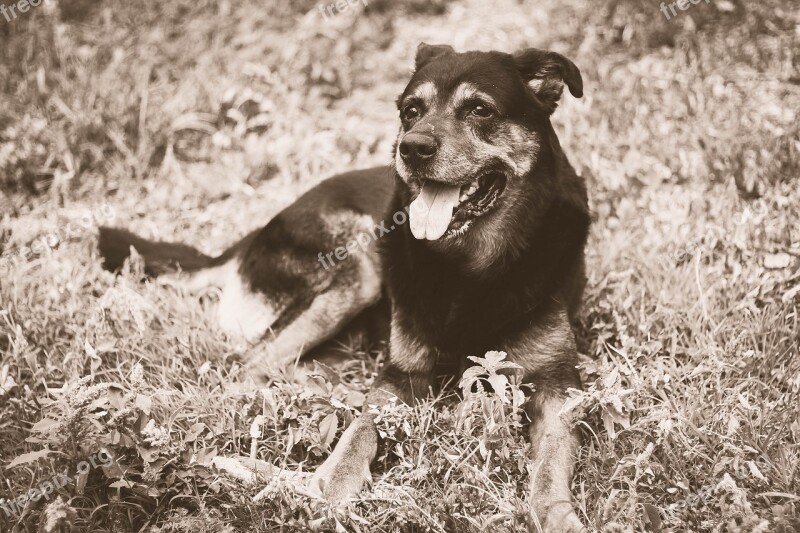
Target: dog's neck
x,y
525,278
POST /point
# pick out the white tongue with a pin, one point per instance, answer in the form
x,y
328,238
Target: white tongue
x,y
430,213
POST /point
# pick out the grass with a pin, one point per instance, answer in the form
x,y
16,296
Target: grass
x,y
198,121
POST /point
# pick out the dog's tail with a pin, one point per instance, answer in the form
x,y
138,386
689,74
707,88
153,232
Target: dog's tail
x,y
159,257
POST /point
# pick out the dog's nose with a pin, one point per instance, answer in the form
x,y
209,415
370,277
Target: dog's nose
x,y
417,146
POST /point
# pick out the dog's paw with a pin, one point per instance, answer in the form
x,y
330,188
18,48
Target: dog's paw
x,y
344,473
258,366
255,374
562,519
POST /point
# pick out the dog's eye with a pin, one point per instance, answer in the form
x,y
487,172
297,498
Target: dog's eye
x,y
410,112
481,111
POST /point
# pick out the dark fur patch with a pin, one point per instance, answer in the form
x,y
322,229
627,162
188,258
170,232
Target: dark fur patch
x,y
436,290
407,386
159,257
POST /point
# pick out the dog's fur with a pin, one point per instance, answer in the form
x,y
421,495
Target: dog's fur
x,y
275,292
504,277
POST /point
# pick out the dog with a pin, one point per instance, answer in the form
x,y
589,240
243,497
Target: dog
x,y
491,257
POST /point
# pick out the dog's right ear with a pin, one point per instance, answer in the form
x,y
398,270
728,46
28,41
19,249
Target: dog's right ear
x,y
428,52
546,73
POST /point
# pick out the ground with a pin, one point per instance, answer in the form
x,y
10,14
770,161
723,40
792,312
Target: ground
x,y
199,120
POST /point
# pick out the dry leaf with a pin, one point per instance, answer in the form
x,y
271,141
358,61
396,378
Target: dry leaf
x,y
777,261
327,429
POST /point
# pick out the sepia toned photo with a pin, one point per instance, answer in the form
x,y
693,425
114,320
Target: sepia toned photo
x,y
399,266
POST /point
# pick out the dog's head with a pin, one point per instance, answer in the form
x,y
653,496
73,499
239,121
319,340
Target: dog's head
x,y
474,125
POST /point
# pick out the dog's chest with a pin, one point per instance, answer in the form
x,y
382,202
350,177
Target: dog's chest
x,y
462,322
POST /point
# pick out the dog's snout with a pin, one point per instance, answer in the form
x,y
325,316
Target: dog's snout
x,y
418,147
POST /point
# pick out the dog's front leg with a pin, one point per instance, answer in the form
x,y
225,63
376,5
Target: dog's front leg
x,y
548,356
346,470
555,446
407,376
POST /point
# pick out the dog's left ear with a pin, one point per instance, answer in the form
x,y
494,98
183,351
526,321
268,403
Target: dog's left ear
x,y
546,73
427,52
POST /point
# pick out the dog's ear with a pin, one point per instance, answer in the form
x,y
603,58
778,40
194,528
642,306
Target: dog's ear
x,y
427,52
546,73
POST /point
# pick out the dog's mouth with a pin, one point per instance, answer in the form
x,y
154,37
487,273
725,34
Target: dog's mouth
x,y
444,210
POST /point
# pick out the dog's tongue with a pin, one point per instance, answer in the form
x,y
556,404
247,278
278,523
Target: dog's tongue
x,y
430,213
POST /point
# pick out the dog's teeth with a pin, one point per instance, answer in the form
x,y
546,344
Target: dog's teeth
x,y
466,191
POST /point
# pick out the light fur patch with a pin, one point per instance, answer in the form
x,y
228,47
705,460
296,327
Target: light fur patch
x,y
196,282
406,352
515,146
536,84
327,314
426,92
487,247
243,313
346,470
465,92
352,231
346,225
555,447
544,343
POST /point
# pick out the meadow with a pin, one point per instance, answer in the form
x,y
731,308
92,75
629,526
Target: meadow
x,y
197,121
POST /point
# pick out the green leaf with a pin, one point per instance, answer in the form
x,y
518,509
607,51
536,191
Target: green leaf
x,y
327,429
205,455
27,458
194,432
492,358
499,382
44,425
355,398
144,403
652,516
470,375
